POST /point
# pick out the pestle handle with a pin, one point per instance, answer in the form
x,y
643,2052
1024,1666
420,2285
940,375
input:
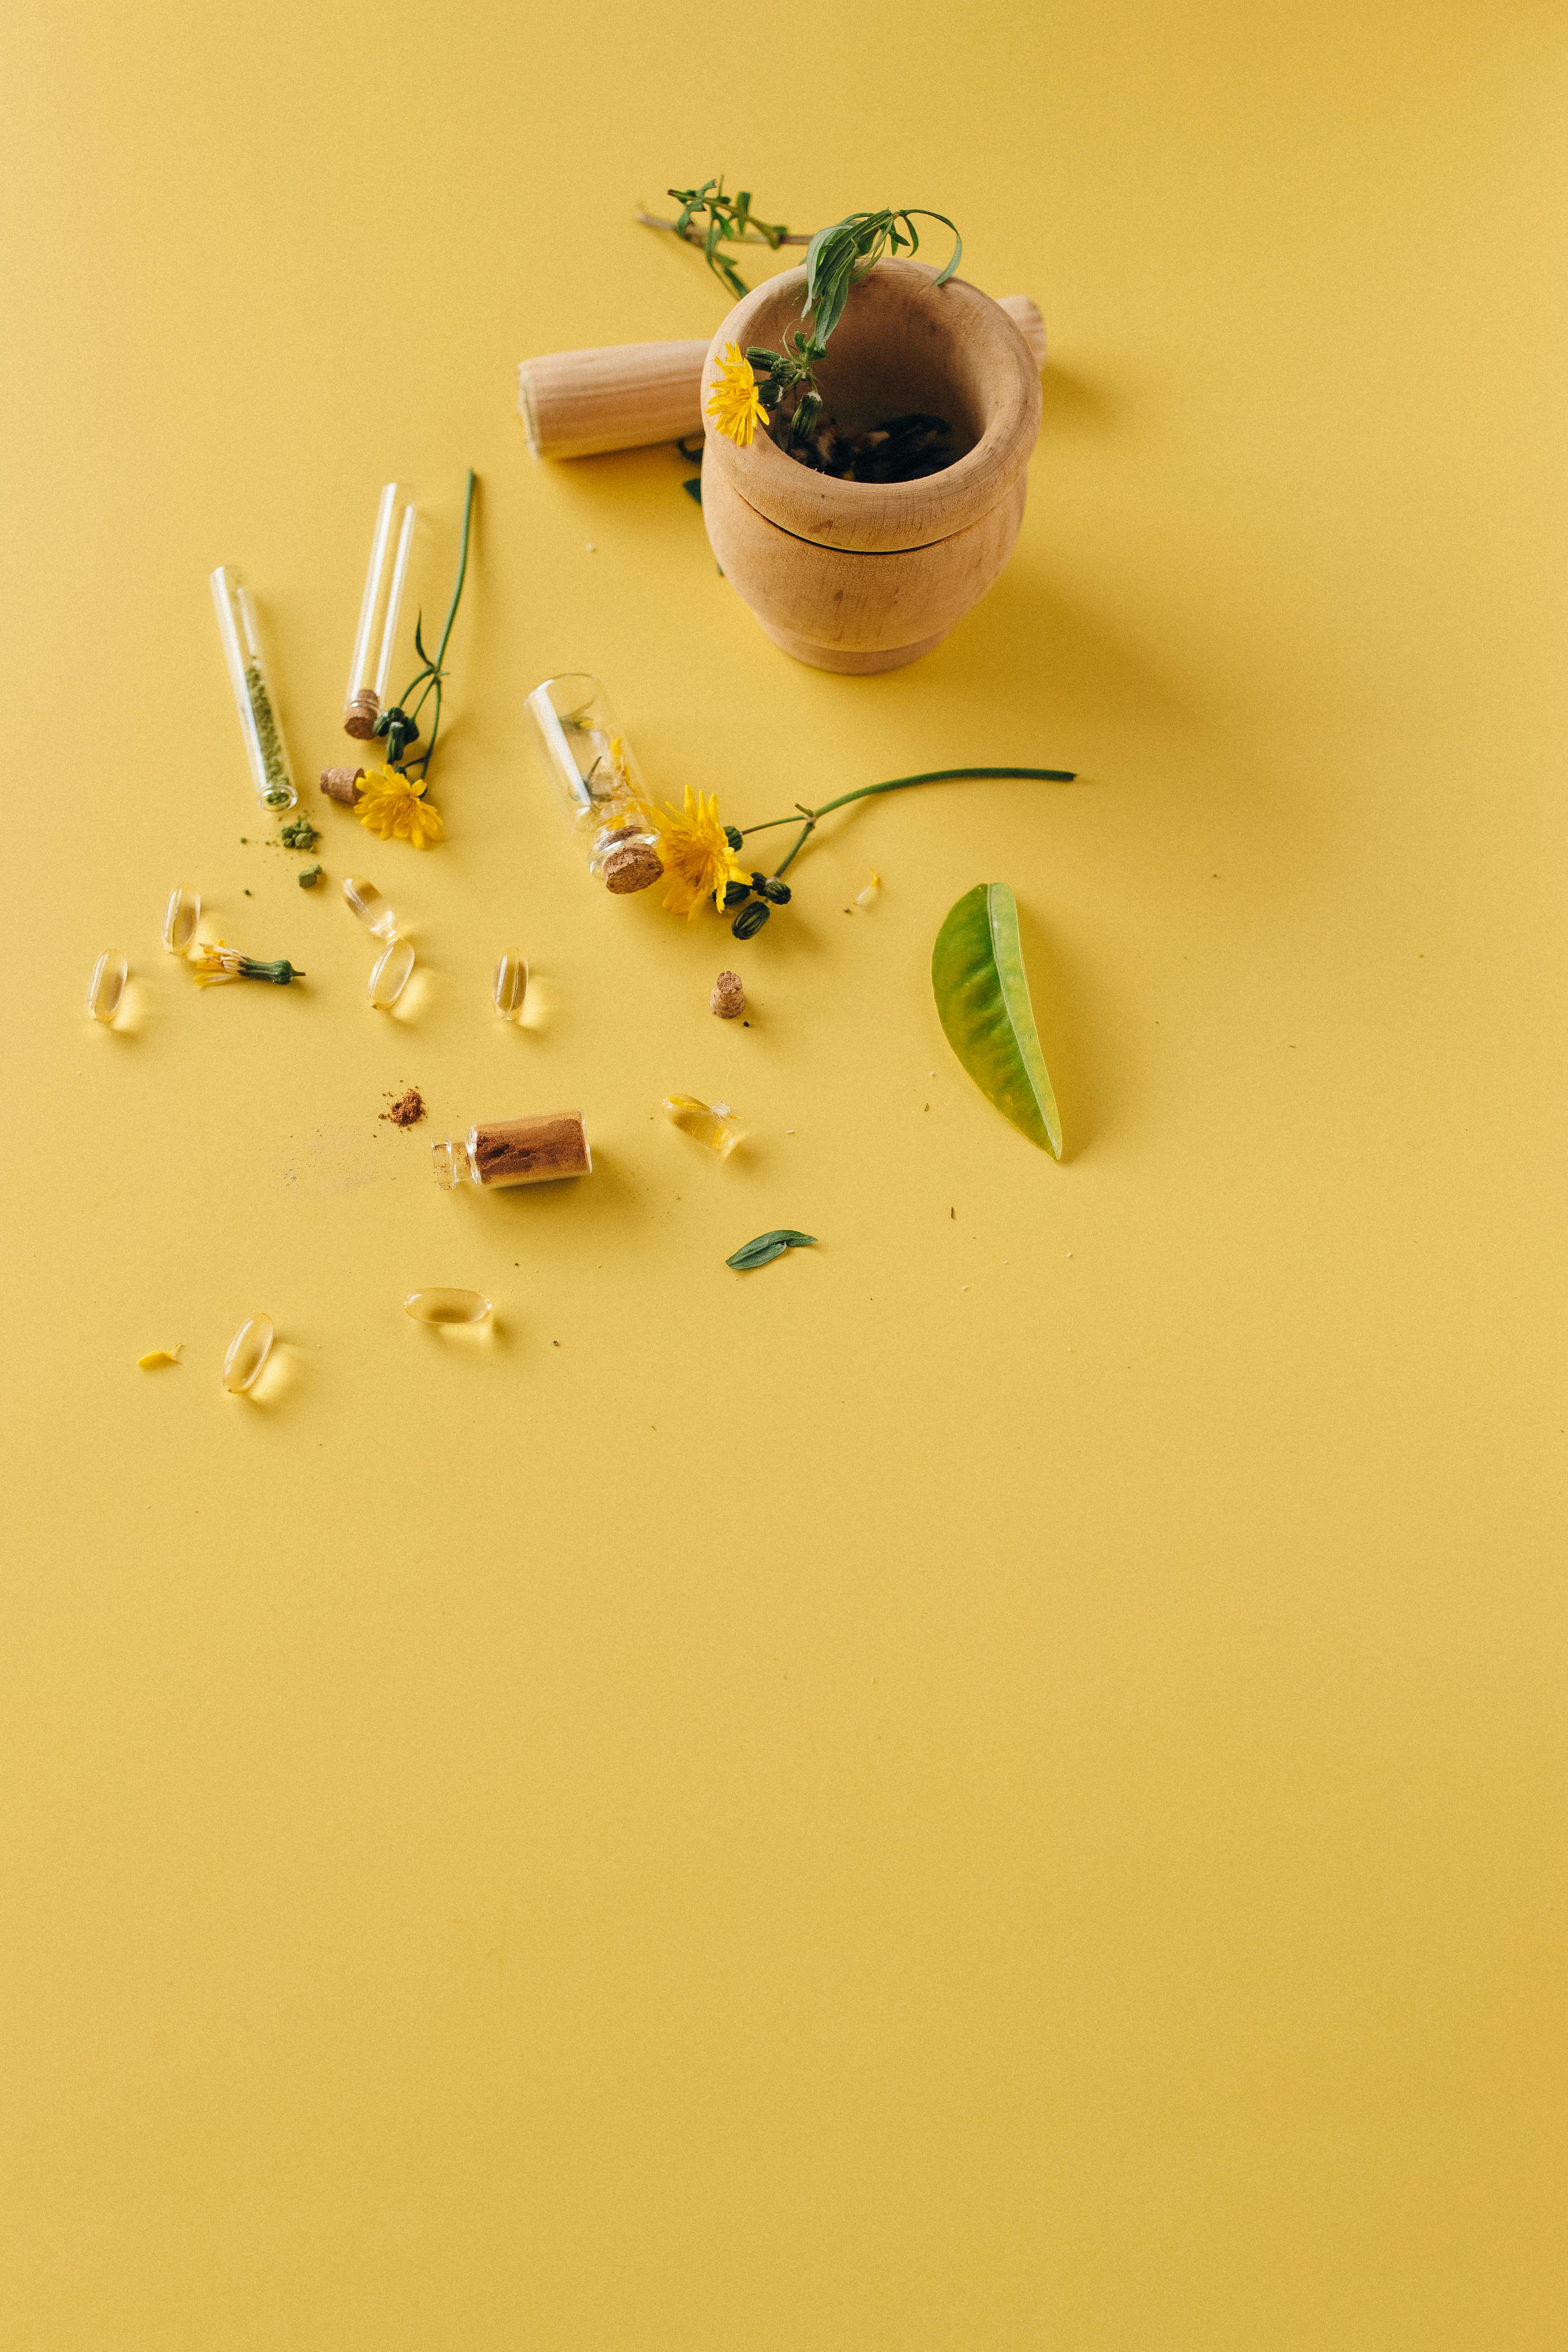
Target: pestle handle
x,y
626,395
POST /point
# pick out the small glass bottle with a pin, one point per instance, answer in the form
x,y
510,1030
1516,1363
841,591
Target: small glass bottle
x,y
181,915
511,984
369,905
382,600
107,986
253,696
596,776
515,1151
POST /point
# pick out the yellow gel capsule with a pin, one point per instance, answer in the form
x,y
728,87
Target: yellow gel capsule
x,y
714,1124
181,915
446,1306
369,905
107,986
511,984
389,976
247,1351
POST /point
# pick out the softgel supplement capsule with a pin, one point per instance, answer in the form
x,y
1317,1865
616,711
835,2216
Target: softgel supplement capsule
x,y
390,975
367,903
714,1124
181,915
247,1351
511,986
107,986
446,1306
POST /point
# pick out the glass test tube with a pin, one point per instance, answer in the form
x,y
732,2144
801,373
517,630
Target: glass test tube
x,y
596,773
253,694
383,597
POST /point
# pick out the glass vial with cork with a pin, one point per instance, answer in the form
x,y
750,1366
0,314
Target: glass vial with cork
x,y
379,607
595,774
254,698
505,1152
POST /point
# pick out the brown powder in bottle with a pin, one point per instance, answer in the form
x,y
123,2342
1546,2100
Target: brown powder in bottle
x,y
530,1151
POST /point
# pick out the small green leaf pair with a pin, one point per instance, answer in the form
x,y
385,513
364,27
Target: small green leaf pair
x,y
767,1247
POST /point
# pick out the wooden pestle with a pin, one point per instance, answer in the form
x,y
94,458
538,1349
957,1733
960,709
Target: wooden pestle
x,y
625,396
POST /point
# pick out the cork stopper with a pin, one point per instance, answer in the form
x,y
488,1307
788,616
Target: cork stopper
x,y
360,717
729,997
637,867
341,785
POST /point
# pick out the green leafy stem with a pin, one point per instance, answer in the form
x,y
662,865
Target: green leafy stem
x,y
400,724
837,258
772,890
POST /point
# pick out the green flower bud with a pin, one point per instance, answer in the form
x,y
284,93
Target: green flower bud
x,y
750,920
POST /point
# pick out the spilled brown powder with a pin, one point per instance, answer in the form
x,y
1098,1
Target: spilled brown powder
x,y
408,1110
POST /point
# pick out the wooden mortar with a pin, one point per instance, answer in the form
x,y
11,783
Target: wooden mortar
x,y
864,576
628,395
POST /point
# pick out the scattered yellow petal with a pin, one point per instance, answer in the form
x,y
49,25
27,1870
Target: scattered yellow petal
x,y
158,1356
872,887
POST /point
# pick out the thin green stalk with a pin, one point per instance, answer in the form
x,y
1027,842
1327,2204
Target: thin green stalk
x,y
462,568
899,783
430,676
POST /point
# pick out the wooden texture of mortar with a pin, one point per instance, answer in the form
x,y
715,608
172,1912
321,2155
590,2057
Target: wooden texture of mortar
x,y
626,395
861,575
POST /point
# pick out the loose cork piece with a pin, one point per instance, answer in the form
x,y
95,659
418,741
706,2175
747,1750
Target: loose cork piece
x,y
360,717
637,867
341,785
531,1150
729,997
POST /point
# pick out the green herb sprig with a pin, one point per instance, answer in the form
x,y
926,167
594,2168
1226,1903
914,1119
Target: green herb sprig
x,y
710,218
767,1247
837,258
753,903
400,724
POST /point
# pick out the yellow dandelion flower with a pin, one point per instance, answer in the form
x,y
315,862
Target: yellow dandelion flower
x,y
733,403
394,806
698,863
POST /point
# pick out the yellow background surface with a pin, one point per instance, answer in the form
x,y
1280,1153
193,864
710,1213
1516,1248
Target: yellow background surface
x,y
997,1786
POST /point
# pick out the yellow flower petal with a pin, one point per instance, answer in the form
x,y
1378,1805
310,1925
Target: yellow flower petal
x,y
393,807
732,402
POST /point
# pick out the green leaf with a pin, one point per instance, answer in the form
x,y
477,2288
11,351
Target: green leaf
x,y
692,486
982,1001
767,1247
